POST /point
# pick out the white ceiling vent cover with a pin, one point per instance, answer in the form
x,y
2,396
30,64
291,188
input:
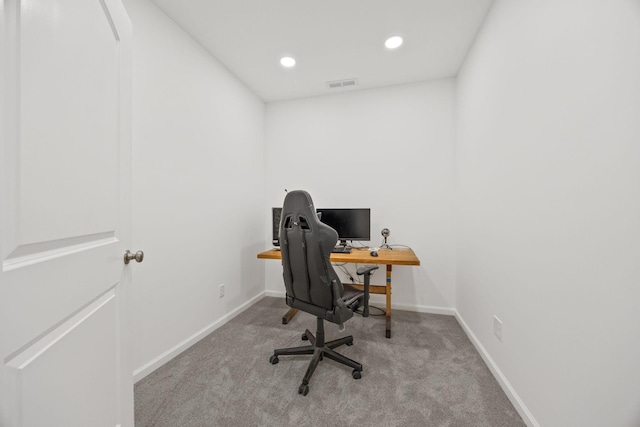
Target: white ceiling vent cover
x,y
342,83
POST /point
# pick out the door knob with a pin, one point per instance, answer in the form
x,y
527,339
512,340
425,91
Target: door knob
x,y
128,256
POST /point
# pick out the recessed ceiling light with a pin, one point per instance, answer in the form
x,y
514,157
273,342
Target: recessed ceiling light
x,y
393,42
287,61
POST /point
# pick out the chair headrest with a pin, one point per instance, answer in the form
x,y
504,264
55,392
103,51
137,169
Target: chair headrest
x,y
298,203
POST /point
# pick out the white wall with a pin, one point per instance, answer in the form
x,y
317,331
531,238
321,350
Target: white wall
x,y
390,149
548,180
198,138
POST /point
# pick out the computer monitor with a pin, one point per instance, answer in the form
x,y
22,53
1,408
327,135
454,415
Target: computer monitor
x,y
349,223
276,213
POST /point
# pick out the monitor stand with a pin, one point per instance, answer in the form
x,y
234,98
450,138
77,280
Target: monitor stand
x,y
342,248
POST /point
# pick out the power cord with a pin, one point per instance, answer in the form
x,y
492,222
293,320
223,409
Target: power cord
x,y
350,276
382,312
400,246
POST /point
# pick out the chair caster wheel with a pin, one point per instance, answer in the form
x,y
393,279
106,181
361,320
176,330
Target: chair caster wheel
x,y
303,389
305,337
349,343
356,374
273,359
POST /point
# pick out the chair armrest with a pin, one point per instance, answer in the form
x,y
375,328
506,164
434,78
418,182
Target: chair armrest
x,y
366,271
340,308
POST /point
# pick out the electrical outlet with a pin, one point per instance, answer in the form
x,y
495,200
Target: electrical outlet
x,y
221,289
497,328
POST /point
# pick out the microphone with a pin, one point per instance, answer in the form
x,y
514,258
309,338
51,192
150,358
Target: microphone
x,y
385,233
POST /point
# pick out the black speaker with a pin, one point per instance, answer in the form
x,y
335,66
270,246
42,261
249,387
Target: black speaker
x,y
276,213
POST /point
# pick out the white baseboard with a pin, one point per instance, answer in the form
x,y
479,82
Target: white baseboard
x,y
380,299
277,294
518,404
416,308
154,364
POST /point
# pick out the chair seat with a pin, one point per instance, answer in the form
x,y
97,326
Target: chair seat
x,y
350,291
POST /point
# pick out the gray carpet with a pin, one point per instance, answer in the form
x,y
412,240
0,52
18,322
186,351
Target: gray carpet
x,y
427,374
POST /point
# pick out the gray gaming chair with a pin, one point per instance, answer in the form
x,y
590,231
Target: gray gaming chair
x,y
312,284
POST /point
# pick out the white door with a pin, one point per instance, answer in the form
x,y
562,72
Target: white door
x,y
65,155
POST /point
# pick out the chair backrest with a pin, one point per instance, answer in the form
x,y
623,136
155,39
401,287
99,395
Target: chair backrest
x,y
311,282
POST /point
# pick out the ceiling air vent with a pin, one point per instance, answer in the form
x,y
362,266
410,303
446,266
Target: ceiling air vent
x,y
342,83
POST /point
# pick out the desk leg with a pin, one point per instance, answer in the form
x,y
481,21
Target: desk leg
x,y
388,310
289,315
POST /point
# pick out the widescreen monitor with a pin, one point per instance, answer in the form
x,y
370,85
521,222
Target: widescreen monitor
x,y
350,223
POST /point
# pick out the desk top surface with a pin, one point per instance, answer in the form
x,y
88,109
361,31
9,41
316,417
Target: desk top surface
x,y
396,256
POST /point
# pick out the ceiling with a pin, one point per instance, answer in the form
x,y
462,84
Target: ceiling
x,y
331,40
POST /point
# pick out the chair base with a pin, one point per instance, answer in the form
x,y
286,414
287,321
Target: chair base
x,y
318,349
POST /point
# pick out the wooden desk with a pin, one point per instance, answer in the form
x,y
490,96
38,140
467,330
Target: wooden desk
x,y
388,257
